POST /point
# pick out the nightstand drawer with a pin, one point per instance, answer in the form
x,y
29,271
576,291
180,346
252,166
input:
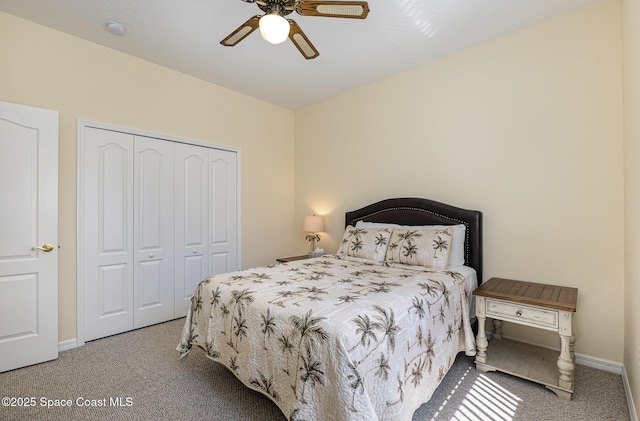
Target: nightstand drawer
x,y
523,314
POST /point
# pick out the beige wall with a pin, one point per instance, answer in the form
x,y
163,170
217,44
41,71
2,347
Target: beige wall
x,y
49,69
526,128
631,84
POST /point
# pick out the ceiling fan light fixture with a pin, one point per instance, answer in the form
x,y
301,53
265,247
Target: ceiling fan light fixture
x,y
274,28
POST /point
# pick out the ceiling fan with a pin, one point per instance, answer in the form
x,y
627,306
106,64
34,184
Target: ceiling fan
x,y
275,28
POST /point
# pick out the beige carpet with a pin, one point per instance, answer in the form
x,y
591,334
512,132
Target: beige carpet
x,y
140,371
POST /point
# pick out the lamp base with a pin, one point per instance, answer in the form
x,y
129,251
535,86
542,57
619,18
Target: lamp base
x,y
316,254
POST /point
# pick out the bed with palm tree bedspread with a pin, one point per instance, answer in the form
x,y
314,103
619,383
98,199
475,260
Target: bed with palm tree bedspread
x,y
365,334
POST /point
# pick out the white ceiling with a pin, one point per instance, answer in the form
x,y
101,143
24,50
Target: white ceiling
x,y
184,35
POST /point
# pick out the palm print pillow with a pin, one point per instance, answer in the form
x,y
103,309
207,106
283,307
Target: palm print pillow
x,y
426,247
368,244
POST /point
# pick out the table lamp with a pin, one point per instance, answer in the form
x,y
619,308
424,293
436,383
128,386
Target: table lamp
x,y
313,225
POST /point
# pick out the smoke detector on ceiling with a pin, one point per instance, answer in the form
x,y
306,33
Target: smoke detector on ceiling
x,y
116,28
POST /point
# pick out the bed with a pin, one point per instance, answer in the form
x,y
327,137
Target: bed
x,y
365,334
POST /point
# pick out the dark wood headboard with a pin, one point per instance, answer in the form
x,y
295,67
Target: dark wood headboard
x,y
416,211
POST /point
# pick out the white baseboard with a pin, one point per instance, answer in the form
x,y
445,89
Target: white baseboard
x,y
67,345
627,391
599,363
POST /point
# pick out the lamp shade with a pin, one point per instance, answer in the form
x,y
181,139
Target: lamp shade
x,y
274,28
313,224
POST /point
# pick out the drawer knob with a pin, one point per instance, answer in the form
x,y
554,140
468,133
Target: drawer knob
x,y
518,313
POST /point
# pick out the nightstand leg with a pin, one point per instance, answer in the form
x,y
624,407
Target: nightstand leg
x,y
566,361
481,338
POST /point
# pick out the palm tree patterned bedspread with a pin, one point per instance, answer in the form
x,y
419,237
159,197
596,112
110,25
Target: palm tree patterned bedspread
x,y
333,339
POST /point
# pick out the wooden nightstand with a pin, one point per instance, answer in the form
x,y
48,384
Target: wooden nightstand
x,y
541,306
291,259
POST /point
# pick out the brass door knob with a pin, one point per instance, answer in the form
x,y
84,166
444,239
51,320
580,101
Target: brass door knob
x,y
45,247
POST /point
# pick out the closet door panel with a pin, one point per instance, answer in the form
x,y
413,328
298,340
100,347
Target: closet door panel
x,y
153,236
113,289
156,217
191,223
222,217
107,268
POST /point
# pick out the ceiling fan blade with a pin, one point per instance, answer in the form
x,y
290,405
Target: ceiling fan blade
x,y
301,41
334,9
242,32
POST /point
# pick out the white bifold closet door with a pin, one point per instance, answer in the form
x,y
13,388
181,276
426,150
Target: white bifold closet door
x,y
107,233
153,238
157,217
128,232
205,212
223,256
192,204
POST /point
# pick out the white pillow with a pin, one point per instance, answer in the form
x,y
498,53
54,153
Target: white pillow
x,y
365,243
429,248
457,248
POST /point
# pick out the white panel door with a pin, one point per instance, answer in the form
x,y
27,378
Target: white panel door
x,y
107,237
153,285
192,223
28,219
223,234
